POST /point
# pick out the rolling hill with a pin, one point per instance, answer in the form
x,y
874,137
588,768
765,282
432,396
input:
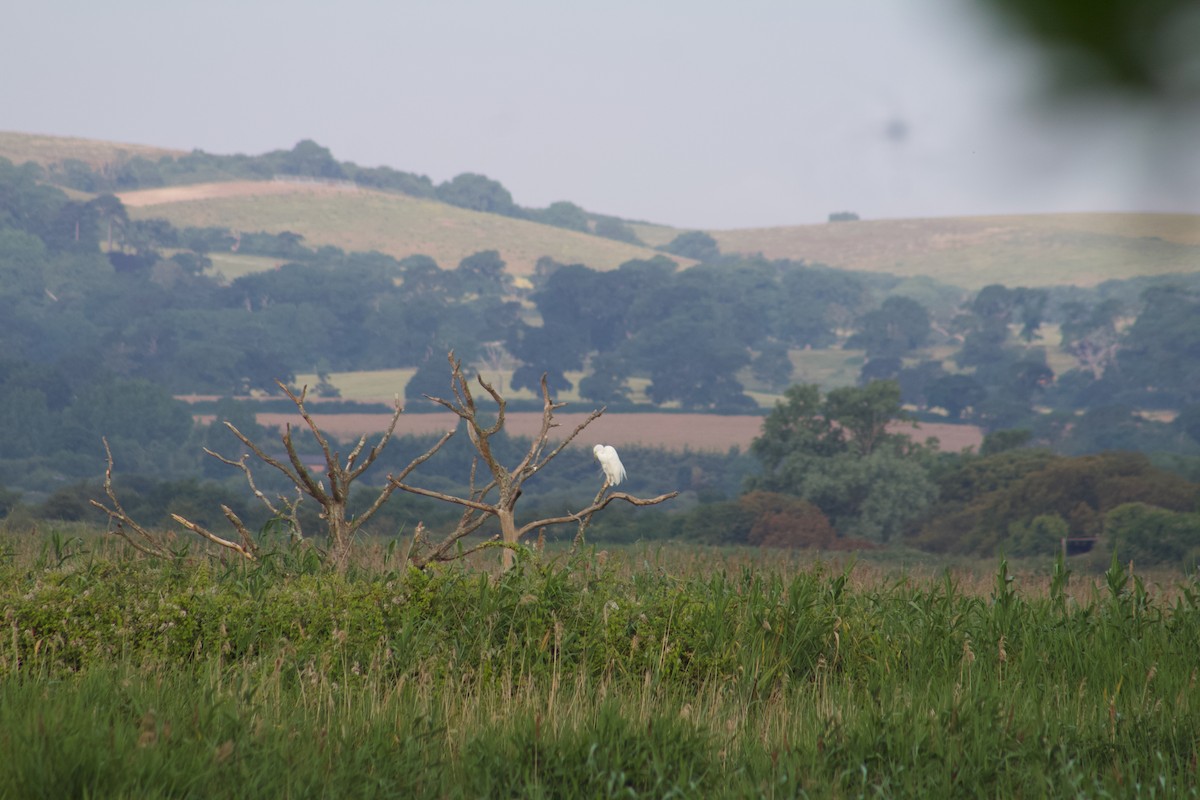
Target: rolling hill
x,y
969,252
356,219
972,252
46,150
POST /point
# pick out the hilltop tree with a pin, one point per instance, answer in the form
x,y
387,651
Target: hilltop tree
x,y
478,193
694,244
310,159
562,215
613,228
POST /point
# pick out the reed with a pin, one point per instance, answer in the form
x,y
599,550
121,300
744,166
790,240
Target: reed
x,y
628,674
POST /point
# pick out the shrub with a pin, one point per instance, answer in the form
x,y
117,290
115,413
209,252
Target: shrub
x,y
781,520
1148,535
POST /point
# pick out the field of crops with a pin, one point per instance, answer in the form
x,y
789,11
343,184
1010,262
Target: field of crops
x,y
674,672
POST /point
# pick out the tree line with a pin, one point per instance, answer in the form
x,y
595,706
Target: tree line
x,y
103,318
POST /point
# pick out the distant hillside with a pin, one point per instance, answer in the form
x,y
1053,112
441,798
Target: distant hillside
x,y
46,150
972,252
362,220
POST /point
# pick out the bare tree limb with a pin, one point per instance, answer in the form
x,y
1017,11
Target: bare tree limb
x,y
212,537
478,508
119,520
594,507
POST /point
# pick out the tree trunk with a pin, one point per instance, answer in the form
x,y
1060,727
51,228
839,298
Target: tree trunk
x,y
339,533
508,531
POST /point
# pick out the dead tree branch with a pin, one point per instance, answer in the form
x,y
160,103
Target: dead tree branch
x,y
120,522
341,527
479,508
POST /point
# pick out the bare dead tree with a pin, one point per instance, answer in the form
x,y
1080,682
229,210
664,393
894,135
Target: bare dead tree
x,y
331,493
340,526
495,499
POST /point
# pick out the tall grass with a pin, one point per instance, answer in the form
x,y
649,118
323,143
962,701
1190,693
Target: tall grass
x,y
639,676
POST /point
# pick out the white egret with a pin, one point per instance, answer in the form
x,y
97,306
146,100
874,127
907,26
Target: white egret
x,y
610,462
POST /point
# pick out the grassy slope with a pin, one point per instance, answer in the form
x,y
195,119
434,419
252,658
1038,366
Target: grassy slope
x,y
389,223
972,252
21,147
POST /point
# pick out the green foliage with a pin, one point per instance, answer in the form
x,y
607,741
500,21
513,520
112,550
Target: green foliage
x,y
1041,536
780,520
607,756
478,193
694,244
897,327
772,366
1001,441
873,497
149,678
1021,496
955,393
1159,350
1148,534
562,215
838,453
1098,51
613,228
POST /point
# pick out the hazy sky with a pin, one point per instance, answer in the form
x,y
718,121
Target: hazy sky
x,y
696,114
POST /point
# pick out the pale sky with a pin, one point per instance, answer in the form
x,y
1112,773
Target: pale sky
x,y
691,113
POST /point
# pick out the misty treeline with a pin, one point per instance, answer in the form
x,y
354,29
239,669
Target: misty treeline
x,y
136,299
103,319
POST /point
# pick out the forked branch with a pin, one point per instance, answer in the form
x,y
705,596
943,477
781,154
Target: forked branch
x,y
482,506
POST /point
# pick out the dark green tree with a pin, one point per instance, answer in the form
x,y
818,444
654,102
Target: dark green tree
x,y
310,159
839,454
478,193
694,244
894,329
606,383
1089,333
772,365
613,228
1160,355
562,215
483,274
866,414
692,357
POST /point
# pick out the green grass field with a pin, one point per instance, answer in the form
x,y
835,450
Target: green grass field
x,y
680,672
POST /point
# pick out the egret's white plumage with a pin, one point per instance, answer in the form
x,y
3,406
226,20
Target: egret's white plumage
x,y
610,462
